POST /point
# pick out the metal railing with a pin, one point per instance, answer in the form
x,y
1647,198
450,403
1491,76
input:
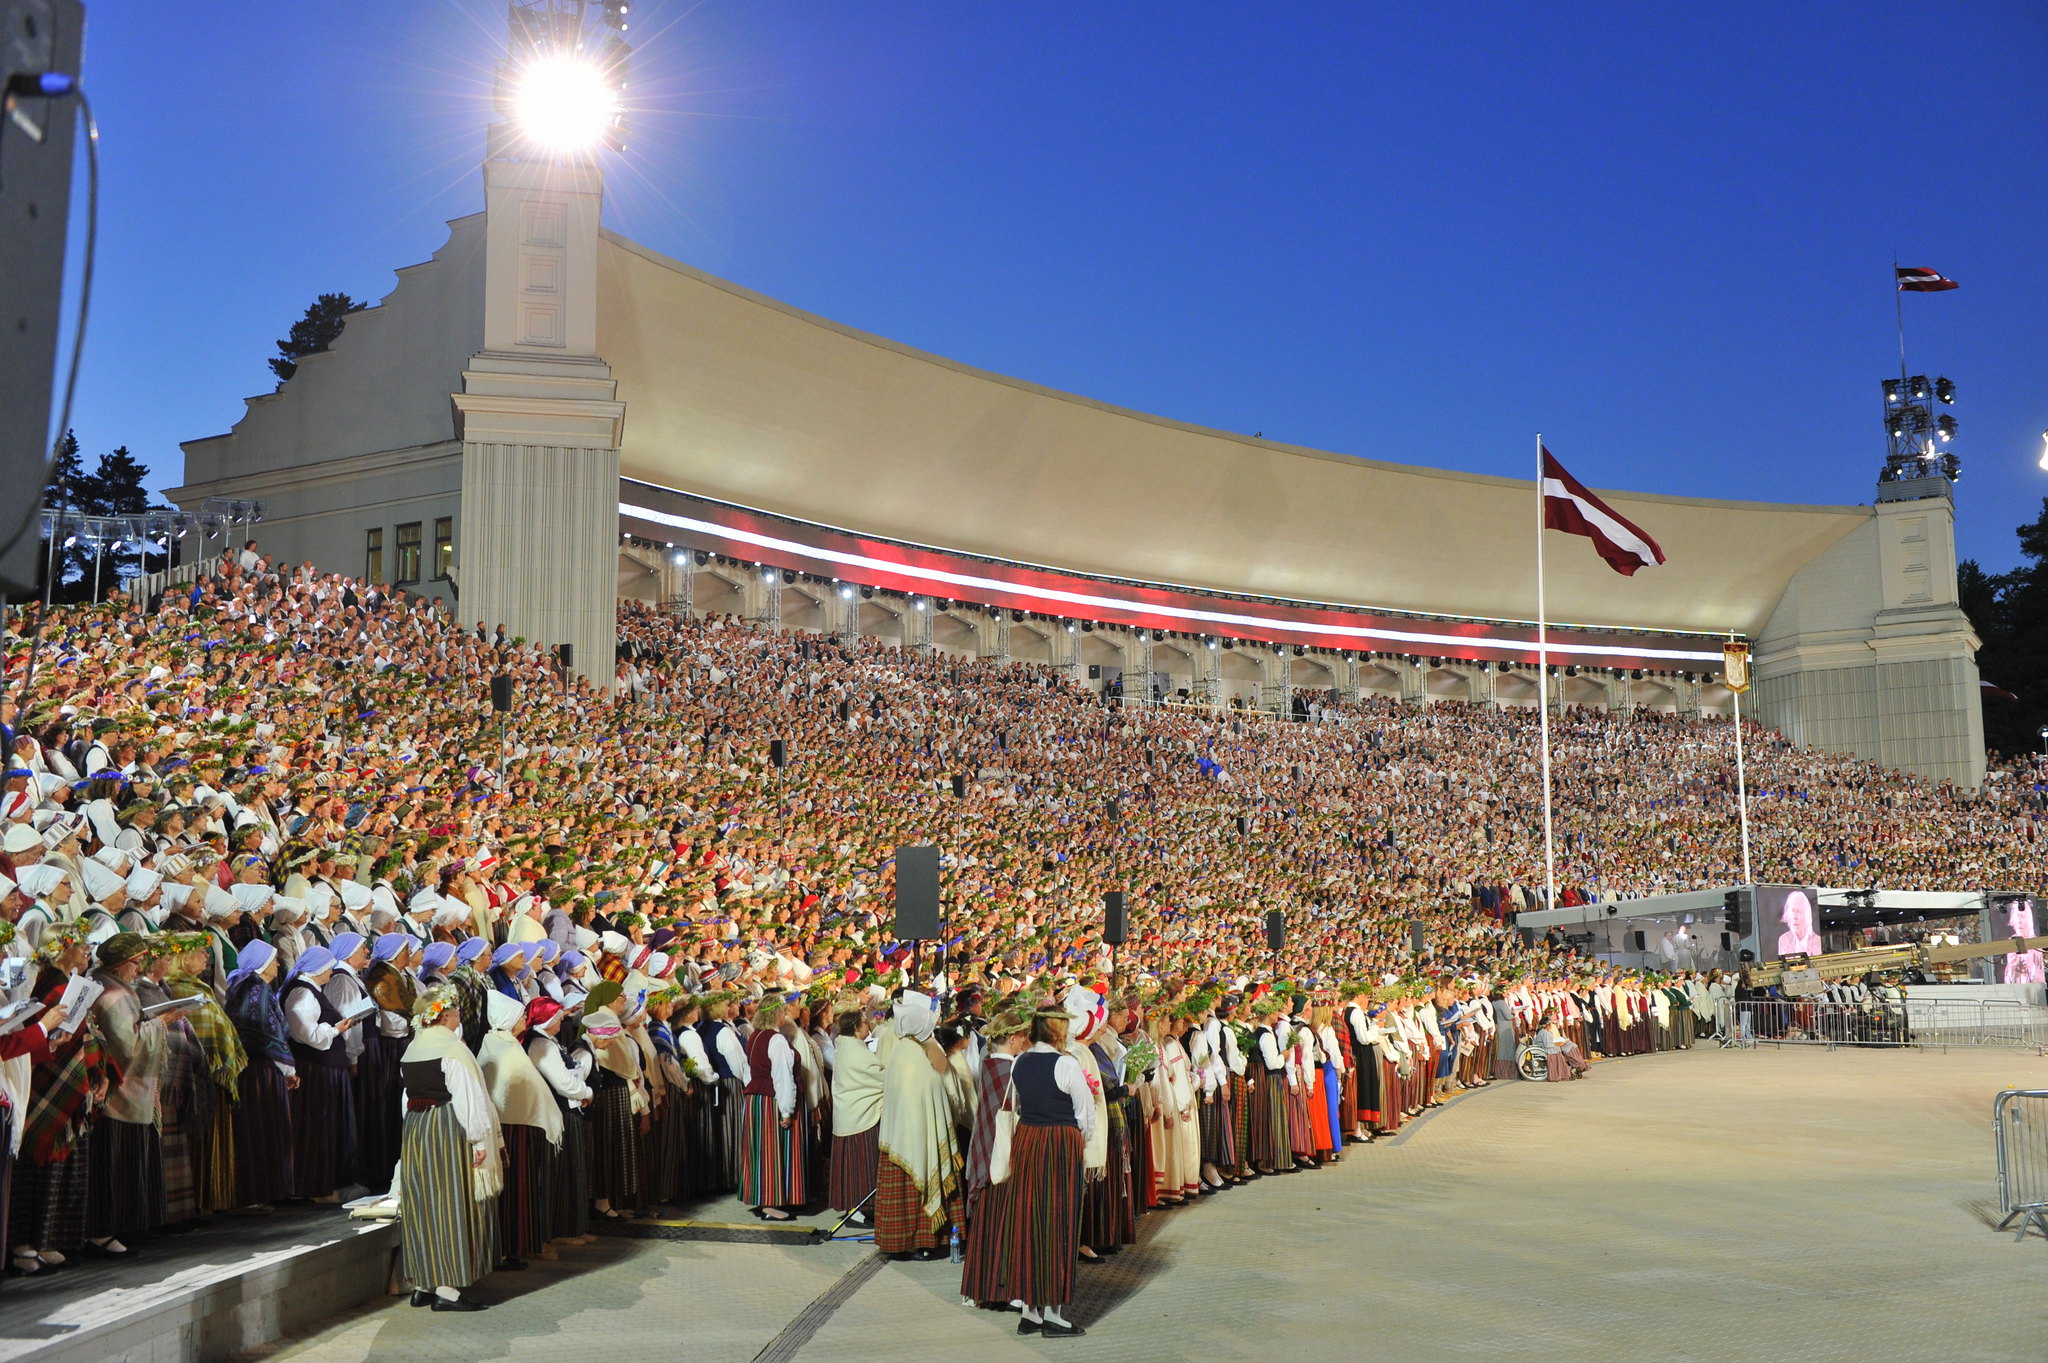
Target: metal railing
x,y
184,575
1884,1022
2019,1123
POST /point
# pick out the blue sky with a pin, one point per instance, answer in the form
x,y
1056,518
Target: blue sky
x,y
1661,235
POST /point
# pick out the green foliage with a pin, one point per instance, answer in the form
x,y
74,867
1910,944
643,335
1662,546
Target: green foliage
x,y
313,333
2010,613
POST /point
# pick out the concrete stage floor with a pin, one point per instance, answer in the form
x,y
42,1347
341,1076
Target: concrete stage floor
x,y
1770,1205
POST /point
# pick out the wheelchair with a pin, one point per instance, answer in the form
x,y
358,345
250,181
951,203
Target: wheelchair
x,y
1532,1063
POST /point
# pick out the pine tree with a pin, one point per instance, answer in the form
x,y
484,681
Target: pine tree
x,y
118,484
312,333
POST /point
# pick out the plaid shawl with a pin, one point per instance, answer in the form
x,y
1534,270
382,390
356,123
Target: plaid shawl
x,y
60,1086
225,1055
259,1018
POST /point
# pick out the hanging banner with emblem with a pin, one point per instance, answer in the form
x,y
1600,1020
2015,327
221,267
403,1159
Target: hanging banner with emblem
x,y
1735,665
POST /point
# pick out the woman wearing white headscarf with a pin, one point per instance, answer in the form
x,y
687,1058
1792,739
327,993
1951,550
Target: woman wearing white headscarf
x,y
448,1170
918,1178
531,1125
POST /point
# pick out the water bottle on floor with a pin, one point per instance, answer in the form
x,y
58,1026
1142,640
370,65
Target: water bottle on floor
x,y
958,1255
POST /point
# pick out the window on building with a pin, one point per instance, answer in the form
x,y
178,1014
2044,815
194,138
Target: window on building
x,y
444,546
408,553
373,557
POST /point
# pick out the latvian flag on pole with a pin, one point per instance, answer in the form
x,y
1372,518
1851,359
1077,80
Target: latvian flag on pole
x,y
1915,280
1569,507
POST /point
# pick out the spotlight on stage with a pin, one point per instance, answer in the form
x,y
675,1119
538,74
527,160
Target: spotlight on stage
x,y
563,103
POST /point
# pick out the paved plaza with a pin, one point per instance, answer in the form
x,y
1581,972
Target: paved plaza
x,y
1775,1205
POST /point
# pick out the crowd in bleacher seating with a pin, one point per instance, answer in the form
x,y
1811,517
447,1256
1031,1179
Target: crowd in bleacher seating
x,y
353,929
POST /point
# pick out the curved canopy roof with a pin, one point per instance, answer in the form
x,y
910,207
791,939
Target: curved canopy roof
x,y
738,397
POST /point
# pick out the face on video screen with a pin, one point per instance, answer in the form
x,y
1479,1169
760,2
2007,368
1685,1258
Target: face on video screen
x,y
1787,922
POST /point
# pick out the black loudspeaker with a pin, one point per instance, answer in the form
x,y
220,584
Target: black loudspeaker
x,y
1418,939
1244,826
1276,930
501,694
917,893
778,753
568,655
1114,926
959,787
1727,942
1115,810
845,711
1641,945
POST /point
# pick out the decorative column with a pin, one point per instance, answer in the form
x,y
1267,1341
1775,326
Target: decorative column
x,y
538,415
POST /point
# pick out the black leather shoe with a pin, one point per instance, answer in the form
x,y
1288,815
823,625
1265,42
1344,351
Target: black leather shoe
x,y
1029,1327
459,1304
1053,1330
420,1298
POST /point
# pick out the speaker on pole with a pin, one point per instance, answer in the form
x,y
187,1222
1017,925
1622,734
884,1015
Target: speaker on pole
x,y
1641,944
917,893
1276,929
778,753
1244,826
567,653
1115,929
1418,938
959,787
501,694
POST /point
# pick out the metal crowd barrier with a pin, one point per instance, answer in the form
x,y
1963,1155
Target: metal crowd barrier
x,y
1913,1022
2019,1120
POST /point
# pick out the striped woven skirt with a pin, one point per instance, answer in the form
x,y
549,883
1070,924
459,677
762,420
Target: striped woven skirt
x,y
614,1143
707,1154
669,1167
571,1214
217,1168
727,1118
1027,1235
1219,1133
900,1221
127,1194
526,1207
1300,1119
1268,1141
1389,1119
854,1160
323,1131
1241,1123
50,1201
380,1109
448,1238
774,1172
1347,1104
263,1137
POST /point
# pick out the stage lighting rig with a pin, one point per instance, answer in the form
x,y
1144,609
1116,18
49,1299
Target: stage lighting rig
x,y
1915,434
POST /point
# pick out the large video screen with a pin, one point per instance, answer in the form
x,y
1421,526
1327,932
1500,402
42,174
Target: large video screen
x,y
1787,921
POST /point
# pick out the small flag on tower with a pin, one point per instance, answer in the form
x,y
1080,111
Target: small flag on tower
x,y
1569,507
1915,280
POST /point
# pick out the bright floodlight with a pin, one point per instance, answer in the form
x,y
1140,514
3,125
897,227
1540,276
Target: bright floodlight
x,y
563,103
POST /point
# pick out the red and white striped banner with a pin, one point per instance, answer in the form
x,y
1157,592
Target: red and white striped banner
x,y
1569,507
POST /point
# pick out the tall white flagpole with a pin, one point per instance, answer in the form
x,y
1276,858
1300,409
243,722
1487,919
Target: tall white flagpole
x,y
1741,788
1543,689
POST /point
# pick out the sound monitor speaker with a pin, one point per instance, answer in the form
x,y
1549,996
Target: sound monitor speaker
x,y
1114,926
501,694
1095,672
1418,939
959,787
778,753
1276,930
917,893
568,652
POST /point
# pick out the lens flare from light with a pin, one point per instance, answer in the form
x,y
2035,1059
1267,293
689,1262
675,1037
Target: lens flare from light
x,y
563,103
